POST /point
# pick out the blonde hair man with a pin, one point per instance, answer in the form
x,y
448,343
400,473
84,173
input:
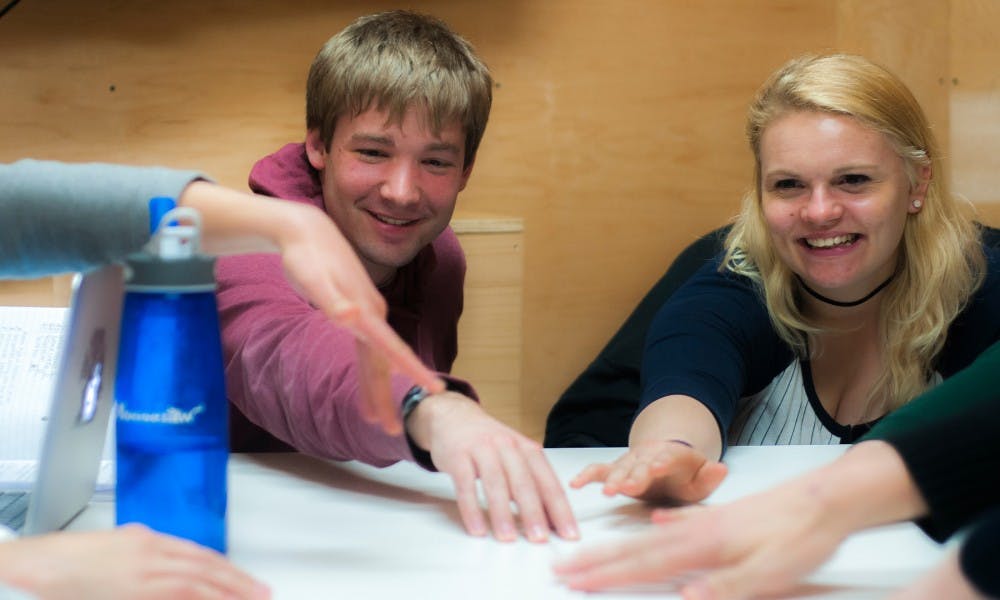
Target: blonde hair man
x,y
396,107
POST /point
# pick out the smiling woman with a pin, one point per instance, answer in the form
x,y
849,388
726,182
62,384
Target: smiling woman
x,y
851,282
835,197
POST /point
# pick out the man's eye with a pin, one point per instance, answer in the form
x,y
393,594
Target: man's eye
x,y
370,152
438,163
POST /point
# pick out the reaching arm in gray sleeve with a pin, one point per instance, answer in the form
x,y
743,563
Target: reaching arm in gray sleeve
x,y
57,217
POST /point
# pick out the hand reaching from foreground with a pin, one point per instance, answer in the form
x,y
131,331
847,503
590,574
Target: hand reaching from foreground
x,y
743,545
741,549
128,563
946,580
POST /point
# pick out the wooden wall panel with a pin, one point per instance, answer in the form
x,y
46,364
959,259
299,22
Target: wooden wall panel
x,y
490,334
616,135
45,291
910,38
975,103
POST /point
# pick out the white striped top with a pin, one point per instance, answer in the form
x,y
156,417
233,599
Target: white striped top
x,y
788,412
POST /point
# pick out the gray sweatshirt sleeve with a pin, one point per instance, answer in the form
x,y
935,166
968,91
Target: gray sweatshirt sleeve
x,y
57,217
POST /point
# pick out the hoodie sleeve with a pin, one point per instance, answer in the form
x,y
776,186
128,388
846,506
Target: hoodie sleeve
x,y
291,371
294,374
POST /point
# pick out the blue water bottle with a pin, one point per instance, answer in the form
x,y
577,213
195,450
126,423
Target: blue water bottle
x,y
172,428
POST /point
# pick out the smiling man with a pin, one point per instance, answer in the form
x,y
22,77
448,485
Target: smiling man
x,y
396,106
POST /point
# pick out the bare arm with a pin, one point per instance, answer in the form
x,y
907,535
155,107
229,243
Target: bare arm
x,y
678,418
674,446
59,217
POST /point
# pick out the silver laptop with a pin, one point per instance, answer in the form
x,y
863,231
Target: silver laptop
x,y
82,399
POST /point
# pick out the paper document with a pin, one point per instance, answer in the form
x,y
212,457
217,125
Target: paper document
x,y
30,338
21,474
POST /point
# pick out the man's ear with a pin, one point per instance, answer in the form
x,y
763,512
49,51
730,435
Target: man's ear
x,y
315,149
466,173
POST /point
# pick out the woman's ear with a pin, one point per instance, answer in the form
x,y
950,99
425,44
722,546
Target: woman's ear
x,y
919,192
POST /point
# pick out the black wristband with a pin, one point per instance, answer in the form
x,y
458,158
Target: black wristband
x,y
413,397
411,400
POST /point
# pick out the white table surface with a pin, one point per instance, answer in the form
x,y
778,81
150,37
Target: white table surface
x,y
316,529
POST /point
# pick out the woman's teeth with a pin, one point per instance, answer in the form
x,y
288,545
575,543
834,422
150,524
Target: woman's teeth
x,y
831,241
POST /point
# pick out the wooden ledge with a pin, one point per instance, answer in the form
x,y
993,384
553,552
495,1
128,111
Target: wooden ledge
x,y
486,223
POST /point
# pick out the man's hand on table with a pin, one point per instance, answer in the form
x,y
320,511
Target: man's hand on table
x,y
469,445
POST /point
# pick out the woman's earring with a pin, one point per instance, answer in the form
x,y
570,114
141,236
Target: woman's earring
x,y
917,204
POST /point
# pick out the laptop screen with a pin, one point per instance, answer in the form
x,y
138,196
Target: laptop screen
x,y
71,436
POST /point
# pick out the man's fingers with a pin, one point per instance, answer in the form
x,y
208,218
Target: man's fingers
x,y
372,329
343,312
513,473
553,497
463,475
368,384
368,401
497,491
378,334
377,388
379,348
523,491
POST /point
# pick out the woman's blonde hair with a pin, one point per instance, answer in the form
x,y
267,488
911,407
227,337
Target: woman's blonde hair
x,y
941,261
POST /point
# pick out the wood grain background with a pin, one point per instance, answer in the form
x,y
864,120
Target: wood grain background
x,y
616,134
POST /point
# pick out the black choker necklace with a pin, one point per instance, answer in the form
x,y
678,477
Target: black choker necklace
x,y
823,298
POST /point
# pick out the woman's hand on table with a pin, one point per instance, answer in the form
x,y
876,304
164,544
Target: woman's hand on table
x,y
657,470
